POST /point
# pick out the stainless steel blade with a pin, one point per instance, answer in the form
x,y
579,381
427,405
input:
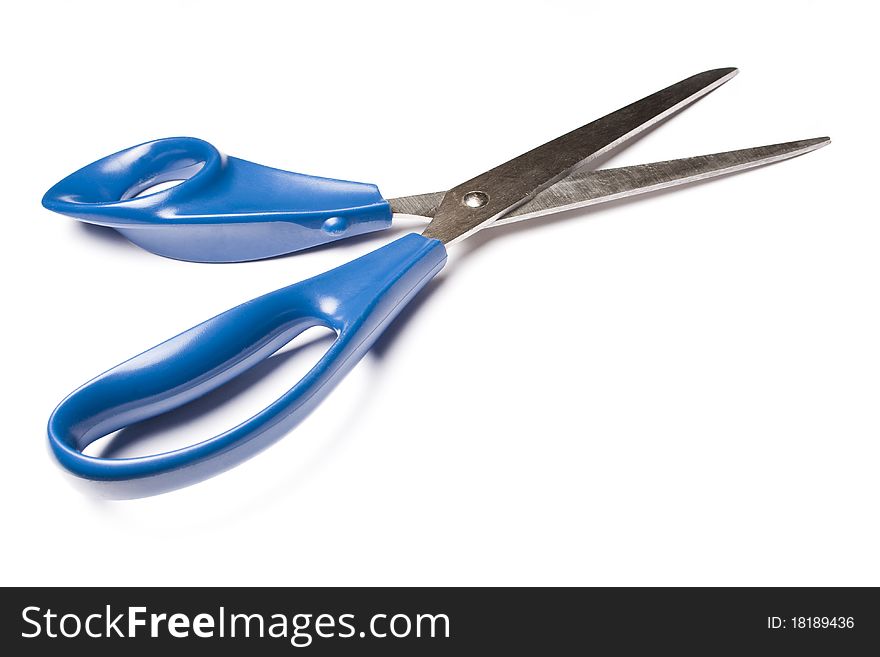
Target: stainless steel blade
x,y
481,200
585,188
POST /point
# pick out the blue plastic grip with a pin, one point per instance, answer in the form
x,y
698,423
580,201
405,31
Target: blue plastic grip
x,y
358,300
226,210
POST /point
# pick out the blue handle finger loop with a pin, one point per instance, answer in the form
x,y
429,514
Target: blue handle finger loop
x,y
225,209
358,300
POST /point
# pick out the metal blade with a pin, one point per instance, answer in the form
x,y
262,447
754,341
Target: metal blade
x,y
481,200
585,188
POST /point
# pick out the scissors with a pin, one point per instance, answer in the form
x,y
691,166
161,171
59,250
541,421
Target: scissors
x,y
230,209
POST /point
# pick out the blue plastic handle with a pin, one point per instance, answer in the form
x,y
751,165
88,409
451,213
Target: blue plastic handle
x,y
357,300
226,210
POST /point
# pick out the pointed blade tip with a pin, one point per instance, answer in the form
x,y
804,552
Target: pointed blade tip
x,y
817,142
718,76
724,71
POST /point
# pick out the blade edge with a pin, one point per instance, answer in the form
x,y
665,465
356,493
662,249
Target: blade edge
x,y
417,205
593,187
583,189
514,182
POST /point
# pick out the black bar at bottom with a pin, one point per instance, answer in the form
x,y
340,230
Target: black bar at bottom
x,y
430,621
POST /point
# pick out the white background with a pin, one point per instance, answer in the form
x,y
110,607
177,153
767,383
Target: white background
x,y
677,390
